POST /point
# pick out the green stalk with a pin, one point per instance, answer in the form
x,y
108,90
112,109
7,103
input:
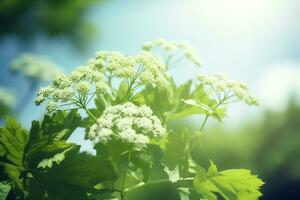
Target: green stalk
x,y
122,193
154,182
89,113
204,122
215,107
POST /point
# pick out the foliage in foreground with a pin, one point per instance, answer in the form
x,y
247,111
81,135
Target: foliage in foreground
x,y
134,101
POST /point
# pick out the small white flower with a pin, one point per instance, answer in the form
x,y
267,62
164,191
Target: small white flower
x,y
135,127
144,123
141,141
66,94
143,67
124,123
83,87
101,86
128,135
173,48
223,85
145,111
104,134
61,81
66,88
51,106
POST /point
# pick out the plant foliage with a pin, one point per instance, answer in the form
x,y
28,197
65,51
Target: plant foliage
x,y
135,100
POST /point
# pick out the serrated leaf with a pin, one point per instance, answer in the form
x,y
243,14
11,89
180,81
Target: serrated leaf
x,y
143,161
212,170
61,120
4,190
57,158
165,102
176,152
73,178
50,137
116,152
184,193
232,184
174,175
13,173
13,140
197,102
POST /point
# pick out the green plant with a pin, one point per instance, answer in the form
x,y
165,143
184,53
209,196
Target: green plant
x,y
134,101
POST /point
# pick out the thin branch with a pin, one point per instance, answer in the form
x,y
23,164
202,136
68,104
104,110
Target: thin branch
x,y
142,184
204,122
91,98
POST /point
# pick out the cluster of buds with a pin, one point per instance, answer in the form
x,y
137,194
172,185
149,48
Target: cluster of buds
x,y
70,88
132,124
174,49
228,88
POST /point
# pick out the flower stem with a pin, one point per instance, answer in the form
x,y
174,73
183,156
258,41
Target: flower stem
x,y
142,184
122,193
204,122
89,113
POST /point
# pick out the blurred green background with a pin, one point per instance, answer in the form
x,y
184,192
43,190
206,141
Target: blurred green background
x,y
255,41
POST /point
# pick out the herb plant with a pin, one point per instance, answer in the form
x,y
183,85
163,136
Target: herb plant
x,y
125,104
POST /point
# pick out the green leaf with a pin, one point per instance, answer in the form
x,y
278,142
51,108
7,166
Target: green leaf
x,y
143,161
165,102
184,193
234,184
202,107
116,152
176,152
61,120
57,158
122,91
73,178
50,137
4,190
198,102
138,164
104,194
174,175
13,140
12,172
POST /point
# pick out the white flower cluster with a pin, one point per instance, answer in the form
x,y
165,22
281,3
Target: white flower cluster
x,y
221,83
129,123
36,67
175,47
81,81
143,68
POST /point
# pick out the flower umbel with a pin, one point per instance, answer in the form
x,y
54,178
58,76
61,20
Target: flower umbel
x,y
174,51
129,123
73,88
142,69
228,90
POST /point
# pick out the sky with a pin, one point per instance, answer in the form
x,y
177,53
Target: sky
x,y
255,41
